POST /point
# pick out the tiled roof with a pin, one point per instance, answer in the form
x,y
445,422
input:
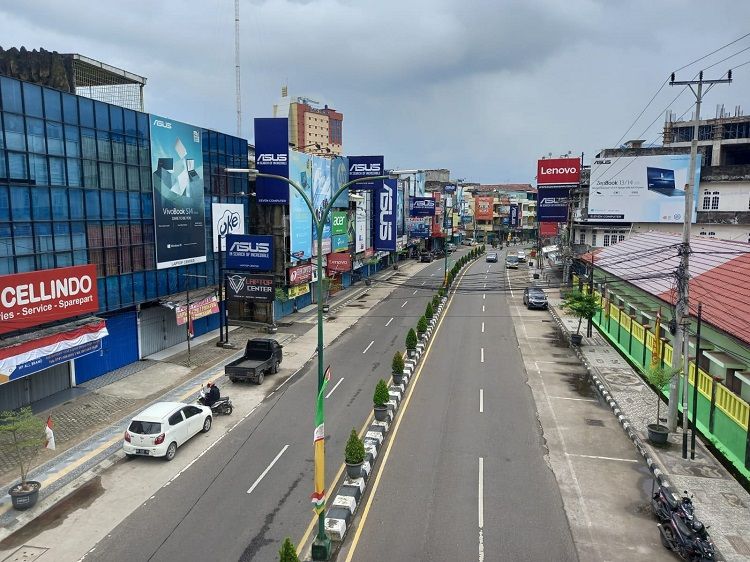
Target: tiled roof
x,y
526,187
719,274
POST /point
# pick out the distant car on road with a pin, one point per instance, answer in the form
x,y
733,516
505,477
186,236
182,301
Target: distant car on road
x,y
511,262
162,427
534,297
491,257
468,242
451,247
521,256
426,257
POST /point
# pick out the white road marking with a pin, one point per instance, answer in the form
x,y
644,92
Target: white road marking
x,y
403,305
481,493
431,274
485,286
415,291
510,286
600,458
388,323
482,327
268,468
423,282
483,296
481,400
481,545
481,353
368,347
335,387
570,398
482,308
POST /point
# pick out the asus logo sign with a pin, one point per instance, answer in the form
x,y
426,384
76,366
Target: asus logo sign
x,y
256,247
602,161
386,209
424,204
365,169
163,124
553,200
272,159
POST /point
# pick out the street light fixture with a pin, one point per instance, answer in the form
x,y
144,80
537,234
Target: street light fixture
x,y
321,549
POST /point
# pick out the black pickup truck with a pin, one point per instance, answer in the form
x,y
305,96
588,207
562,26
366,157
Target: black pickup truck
x,y
262,355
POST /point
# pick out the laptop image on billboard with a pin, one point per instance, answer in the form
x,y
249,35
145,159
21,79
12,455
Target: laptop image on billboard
x,y
661,180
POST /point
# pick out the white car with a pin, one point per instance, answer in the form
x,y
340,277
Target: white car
x,y
521,256
162,427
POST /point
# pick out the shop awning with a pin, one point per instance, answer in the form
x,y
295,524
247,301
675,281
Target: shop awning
x,y
37,351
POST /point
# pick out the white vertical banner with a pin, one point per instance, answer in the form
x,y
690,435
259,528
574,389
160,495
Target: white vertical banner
x,y
360,232
227,218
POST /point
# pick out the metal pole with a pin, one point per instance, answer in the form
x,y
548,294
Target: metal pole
x,y
695,381
589,326
219,283
187,324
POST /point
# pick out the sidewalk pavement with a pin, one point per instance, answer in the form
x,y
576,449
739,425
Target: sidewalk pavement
x,y
720,501
87,419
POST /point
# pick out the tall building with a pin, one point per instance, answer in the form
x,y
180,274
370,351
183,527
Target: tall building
x,y
311,128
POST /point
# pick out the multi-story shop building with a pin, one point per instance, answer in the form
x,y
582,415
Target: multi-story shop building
x,y
311,128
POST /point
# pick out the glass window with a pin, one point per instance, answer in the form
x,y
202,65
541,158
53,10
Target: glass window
x,y
109,235
126,290
130,126
86,111
15,138
59,204
131,150
75,198
40,203
139,286
4,205
715,201
115,118
17,167
11,94
106,180
52,108
70,108
706,202
147,204
6,241
145,179
72,142
120,177
20,202
93,211
63,259
108,204
118,148
3,173
90,174
145,157
32,99
104,145
55,139
142,119
78,235
62,236
113,292
81,257
25,264
111,261
121,198
74,172
23,242
35,135
43,235
38,169
136,233
94,230
134,183
57,171
138,258
88,143
102,115
134,201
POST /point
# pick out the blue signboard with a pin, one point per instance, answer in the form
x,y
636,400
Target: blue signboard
x,y
366,167
418,228
272,157
321,195
300,219
553,203
249,252
450,188
385,216
513,215
421,207
35,365
339,176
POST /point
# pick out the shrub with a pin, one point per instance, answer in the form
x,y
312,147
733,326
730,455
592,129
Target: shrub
x,y
355,449
288,553
422,324
435,301
429,311
381,396
659,377
411,339
397,365
441,292
21,438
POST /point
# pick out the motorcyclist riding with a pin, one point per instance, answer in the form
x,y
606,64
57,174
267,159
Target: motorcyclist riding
x,y
212,395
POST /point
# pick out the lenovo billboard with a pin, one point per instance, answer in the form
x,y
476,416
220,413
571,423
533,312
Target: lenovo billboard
x,y
38,297
558,171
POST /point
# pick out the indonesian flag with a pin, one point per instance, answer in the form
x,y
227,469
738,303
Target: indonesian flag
x,y
50,444
318,497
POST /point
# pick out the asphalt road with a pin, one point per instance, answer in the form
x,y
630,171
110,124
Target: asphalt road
x,y
466,477
208,514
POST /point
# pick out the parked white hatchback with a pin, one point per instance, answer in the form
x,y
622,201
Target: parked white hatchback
x,y
162,427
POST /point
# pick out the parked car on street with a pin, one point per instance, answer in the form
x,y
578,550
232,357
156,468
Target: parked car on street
x,y
521,256
262,356
426,257
162,427
533,297
511,262
491,257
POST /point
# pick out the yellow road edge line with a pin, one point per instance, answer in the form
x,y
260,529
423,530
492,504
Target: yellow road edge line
x,y
392,439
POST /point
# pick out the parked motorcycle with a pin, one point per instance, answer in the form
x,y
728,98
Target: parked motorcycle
x,y
222,406
679,529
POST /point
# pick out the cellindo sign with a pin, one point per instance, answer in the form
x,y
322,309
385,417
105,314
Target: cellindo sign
x,y
558,171
38,297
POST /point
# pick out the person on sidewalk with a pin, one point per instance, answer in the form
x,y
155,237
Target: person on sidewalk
x,y
212,394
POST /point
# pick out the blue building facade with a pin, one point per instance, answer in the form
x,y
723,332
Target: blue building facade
x,y
76,189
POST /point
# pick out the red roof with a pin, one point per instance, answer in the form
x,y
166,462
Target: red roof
x,y
719,274
526,187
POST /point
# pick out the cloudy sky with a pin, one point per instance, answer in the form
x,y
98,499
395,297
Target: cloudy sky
x,y
481,87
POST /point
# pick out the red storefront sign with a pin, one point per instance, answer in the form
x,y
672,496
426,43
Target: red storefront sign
x,y
548,228
483,208
38,297
558,171
301,274
339,261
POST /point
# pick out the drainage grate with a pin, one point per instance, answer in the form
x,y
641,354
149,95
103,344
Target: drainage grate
x,y
738,544
26,553
596,423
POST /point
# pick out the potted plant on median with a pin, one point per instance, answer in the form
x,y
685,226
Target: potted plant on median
x,y
354,455
397,368
435,302
421,326
288,553
659,377
21,438
380,400
411,342
429,311
582,306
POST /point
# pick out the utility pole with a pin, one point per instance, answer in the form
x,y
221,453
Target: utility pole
x,y
238,101
680,356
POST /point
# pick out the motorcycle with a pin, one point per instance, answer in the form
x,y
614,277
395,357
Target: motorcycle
x,y
679,529
222,406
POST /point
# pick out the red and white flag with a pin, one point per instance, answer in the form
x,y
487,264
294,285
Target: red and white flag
x,y
50,444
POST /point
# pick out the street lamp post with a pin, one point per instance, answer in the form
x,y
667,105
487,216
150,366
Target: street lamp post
x,y
187,308
321,549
